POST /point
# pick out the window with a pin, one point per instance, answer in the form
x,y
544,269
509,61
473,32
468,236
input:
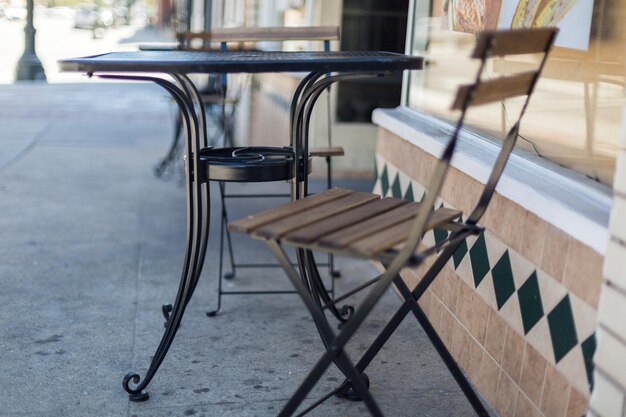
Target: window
x,y
575,116
371,25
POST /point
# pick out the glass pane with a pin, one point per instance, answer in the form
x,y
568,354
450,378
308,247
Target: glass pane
x,y
575,115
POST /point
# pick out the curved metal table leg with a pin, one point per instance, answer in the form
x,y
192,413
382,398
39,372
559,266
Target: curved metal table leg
x,y
196,242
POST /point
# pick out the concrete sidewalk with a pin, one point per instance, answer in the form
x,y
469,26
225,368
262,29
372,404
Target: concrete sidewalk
x,y
92,245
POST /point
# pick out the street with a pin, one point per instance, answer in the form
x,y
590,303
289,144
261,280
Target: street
x,y
57,38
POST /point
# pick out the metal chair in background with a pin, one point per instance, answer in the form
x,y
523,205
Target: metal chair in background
x,y
391,231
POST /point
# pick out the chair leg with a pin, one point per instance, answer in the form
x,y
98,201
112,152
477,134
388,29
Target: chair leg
x,y
335,349
231,253
410,304
223,223
441,348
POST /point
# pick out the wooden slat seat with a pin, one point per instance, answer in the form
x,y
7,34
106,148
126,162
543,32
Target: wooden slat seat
x,y
338,219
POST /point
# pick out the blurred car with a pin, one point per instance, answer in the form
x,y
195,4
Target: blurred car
x,y
86,16
89,16
2,7
15,12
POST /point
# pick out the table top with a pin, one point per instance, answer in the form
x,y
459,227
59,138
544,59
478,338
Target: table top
x,y
241,61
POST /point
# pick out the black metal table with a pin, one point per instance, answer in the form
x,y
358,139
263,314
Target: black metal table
x,y
324,68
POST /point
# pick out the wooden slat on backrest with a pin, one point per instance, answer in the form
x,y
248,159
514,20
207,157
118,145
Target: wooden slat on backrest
x,y
513,42
494,90
265,34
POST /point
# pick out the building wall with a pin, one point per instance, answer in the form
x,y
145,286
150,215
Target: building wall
x,y
608,399
516,306
269,125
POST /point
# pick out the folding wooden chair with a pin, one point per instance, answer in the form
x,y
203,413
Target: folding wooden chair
x,y
391,231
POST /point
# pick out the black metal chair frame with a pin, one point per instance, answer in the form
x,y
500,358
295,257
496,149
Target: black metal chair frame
x,y
490,44
225,235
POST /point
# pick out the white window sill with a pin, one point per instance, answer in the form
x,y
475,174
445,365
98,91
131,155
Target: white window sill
x,y
564,198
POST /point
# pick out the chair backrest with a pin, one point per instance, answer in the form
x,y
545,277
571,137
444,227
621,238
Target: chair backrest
x,y
489,44
245,38
242,36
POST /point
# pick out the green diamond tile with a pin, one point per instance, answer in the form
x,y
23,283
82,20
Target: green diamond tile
x,y
459,253
530,302
503,282
384,181
440,235
589,348
396,190
375,171
479,259
408,195
562,329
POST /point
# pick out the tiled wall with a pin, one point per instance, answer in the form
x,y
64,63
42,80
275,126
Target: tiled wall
x,y
516,305
608,399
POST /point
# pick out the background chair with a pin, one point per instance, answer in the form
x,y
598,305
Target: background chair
x,y
391,231
220,94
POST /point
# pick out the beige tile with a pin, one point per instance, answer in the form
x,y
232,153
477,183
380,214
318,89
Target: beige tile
x,y
465,191
533,374
438,286
426,303
585,317
410,276
496,332
468,353
525,408
464,271
487,292
435,314
448,324
539,338
512,226
552,291
506,396
521,267
572,367
555,393
510,311
495,248
583,272
488,380
577,404
490,218
473,313
458,337
452,285
450,186
533,237
418,190
425,169
513,355
555,247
